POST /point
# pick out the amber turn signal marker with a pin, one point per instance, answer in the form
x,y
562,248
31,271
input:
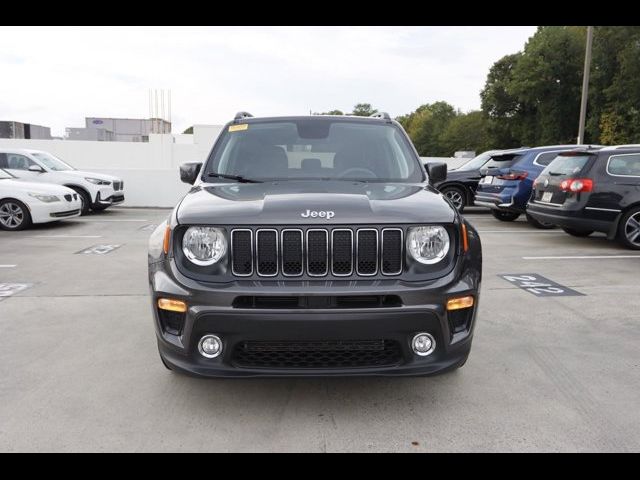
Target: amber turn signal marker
x,y
460,303
172,305
167,240
465,238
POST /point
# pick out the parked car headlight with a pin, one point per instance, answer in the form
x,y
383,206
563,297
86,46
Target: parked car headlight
x,y
428,244
204,245
97,181
45,198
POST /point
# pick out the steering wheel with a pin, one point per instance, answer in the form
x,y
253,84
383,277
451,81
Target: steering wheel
x,y
366,171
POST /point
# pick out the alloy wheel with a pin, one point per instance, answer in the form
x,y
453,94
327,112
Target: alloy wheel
x,y
455,197
11,215
632,229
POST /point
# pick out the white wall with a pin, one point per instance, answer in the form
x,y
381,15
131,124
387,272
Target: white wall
x,y
149,170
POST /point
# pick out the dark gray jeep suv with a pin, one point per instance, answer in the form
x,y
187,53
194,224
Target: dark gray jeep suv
x,y
314,246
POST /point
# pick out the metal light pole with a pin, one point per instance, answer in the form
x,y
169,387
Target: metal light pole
x,y
585,85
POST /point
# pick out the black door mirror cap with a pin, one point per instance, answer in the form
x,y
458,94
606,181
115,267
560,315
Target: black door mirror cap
x,y
437,172
189,172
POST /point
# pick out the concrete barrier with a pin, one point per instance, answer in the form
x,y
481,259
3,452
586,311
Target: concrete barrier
x,y
149,170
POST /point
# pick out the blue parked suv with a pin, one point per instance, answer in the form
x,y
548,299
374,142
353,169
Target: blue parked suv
x,y
507,189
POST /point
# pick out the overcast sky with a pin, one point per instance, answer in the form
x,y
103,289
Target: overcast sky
x,y
57,76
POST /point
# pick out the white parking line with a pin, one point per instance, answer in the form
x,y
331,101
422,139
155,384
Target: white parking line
x,y
66,236
582,257
522,231
7,266
90,220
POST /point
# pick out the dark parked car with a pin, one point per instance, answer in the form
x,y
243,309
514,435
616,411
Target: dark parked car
x,y
461,183
591,190
314,246
506,190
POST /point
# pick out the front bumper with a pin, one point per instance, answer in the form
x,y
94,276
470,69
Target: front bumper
x,y
212,310
42,212
107,198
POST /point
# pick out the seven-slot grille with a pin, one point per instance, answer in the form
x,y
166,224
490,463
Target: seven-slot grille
x,y
316,252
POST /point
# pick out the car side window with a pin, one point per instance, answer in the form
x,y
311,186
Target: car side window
x,y
495,164
627,165
545,159
3,160
18,162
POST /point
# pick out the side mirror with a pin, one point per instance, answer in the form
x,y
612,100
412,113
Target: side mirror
x,y
437,172
189,172
36,168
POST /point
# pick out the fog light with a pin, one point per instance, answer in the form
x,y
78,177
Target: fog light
x,y
210,346
423,344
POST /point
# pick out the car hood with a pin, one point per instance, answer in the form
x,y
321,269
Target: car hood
x,y
36,187
82,174
284,203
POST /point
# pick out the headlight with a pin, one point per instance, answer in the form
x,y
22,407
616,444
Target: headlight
x,y
97,181
204,245
428,244
45,198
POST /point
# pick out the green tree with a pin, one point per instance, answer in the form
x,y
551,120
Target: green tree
x,y
616,101
331,112
189,130
363,110
533,97
466,132
426,125
502,109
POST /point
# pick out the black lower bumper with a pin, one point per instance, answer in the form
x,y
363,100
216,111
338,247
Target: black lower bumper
x,y
395,328
582,219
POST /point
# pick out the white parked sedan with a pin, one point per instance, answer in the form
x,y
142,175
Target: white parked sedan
x,y
23,203
97,191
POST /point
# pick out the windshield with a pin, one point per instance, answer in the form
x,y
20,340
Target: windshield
x,y
566,165
476,163
315,148
51,162
5,175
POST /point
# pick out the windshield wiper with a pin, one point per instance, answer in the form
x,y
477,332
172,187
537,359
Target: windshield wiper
x,y
238,178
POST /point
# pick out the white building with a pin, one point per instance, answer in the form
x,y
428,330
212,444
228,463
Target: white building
x,y
104,129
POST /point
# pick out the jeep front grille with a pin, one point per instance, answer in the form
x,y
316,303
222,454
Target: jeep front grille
x,y
316,252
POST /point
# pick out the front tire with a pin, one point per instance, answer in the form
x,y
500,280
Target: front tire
x,y
14,215
578,233
629,229
505,216
84,198
457,196
538,224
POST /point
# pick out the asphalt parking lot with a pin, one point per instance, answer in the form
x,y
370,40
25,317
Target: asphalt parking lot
x,y
79,370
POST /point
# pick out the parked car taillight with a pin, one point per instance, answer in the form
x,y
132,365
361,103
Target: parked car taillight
x,y
513,176
577,185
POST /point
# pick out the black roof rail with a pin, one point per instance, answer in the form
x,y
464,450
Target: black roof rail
x,y
241,115
383,115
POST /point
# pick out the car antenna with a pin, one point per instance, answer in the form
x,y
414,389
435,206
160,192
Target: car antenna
x,y
383,115
242,115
